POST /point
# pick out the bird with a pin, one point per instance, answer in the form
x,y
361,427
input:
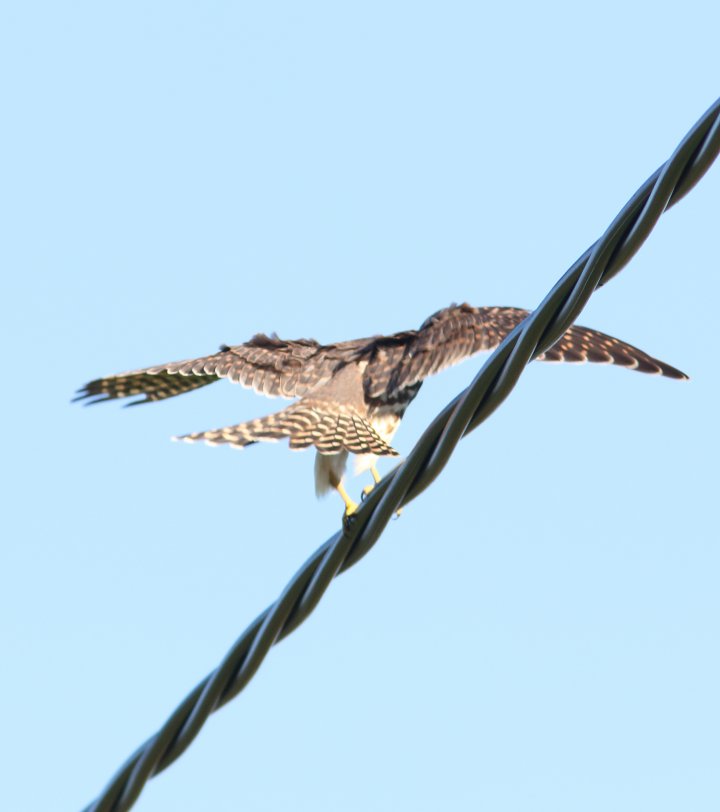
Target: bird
x,y
350,396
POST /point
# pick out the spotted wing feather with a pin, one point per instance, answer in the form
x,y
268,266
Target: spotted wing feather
x,y
450,335
267,364
580,345
152,387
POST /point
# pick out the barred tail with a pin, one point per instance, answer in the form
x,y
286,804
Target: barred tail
x,y
329,427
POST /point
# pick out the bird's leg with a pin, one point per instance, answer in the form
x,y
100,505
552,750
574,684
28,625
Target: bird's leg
x,y
350,506
335,480
376,477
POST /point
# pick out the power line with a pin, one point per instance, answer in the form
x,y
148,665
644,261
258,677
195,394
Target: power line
x,y
498,376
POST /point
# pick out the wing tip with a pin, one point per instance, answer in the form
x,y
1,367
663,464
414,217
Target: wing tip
x,y
209,441
184,438
88,398
671,372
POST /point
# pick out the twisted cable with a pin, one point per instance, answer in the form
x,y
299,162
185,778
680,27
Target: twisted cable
x,y
498,376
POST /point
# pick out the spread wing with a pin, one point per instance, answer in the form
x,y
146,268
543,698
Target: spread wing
x,y
267,364
457,332
278,368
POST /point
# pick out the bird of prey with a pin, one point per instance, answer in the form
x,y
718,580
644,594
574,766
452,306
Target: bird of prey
x,y
352,395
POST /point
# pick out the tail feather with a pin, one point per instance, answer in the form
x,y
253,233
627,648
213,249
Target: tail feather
x,y
329,427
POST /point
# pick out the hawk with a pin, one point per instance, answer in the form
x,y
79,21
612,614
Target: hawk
x,y
352,395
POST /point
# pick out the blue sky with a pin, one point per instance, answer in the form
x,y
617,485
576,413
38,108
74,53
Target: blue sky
x,y
540,629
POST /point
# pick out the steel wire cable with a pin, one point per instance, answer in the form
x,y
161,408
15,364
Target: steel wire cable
x,y
496,379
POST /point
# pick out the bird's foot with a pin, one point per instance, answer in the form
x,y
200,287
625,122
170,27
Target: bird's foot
x,y
349,515
368,489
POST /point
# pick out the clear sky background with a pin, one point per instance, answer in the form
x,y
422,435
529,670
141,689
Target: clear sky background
x,y
540,629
